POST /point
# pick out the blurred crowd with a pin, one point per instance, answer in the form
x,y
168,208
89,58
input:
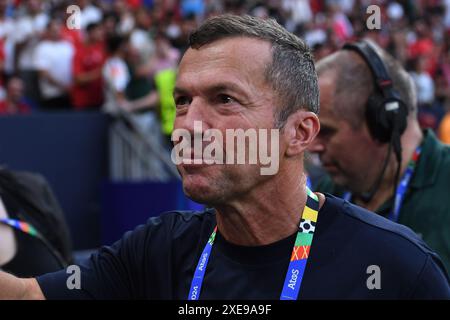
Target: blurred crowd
x,y
123,54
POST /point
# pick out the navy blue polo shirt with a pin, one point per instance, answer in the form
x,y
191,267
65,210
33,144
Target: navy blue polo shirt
x,y
355,254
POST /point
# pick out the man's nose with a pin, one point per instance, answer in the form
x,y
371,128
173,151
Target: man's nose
x,y
197,112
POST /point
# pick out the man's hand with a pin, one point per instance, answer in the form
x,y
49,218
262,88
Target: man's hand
x,y
13,288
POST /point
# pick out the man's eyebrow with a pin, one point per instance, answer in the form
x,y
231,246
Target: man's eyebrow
x,y
210,89
226,86
178,90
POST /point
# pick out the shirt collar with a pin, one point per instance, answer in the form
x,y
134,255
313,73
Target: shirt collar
x,y
427,169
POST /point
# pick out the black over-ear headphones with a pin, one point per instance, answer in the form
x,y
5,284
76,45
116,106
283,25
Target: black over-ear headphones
x,y
385,111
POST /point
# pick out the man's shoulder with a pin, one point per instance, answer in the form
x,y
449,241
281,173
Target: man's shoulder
x,y
178,222
435,153
364,238
376,232
185,216
445,153
432,174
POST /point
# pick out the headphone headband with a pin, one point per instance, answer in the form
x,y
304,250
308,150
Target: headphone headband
x,y
381,77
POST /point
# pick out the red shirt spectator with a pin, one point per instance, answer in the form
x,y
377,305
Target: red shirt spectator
x,y
2,60
87,92
74,36
6,108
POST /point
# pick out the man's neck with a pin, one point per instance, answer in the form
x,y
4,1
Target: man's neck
x,y
410,140
265,216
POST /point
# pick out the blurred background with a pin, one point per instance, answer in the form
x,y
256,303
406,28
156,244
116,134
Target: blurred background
x,y
86,91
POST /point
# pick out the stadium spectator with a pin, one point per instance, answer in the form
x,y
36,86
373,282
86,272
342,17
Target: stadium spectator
x,y
166,57
411,30
115,73
15,101
87,91
141,38
53,60
6,39
2,69
142,49
423,81
89,13
126,18
28,30
110,21
162,68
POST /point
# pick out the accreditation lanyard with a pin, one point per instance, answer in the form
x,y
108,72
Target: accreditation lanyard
x,y
299,256
25,227
401,188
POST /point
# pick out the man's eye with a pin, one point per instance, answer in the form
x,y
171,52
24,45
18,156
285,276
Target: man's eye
x,y
182,101
225,99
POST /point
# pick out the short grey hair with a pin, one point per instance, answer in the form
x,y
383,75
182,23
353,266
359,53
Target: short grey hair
x,y
291,73
354,83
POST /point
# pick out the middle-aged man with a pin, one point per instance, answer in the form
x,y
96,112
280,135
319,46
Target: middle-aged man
x,y
266,236
357,144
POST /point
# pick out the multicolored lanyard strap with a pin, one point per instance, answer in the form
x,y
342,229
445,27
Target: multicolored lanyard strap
x,y
25,227
401,188
299,256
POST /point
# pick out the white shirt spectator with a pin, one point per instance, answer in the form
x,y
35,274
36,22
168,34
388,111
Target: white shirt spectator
x,y
29,27
425,87
315,36
447,13
141,41
116,77
395,11
6,27
126,23
55,57
6,34
300,10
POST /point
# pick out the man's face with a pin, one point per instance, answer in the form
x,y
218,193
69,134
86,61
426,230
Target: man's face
x,y
222,84
15,89
97,34
349,155
54,30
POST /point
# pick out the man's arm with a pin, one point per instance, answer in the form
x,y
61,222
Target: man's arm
x,y
146,102
44,74
13,288
433,282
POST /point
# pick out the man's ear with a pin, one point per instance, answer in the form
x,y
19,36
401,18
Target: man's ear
x,y
300,130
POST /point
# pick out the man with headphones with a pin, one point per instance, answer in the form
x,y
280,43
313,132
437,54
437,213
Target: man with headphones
x,y
373,149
